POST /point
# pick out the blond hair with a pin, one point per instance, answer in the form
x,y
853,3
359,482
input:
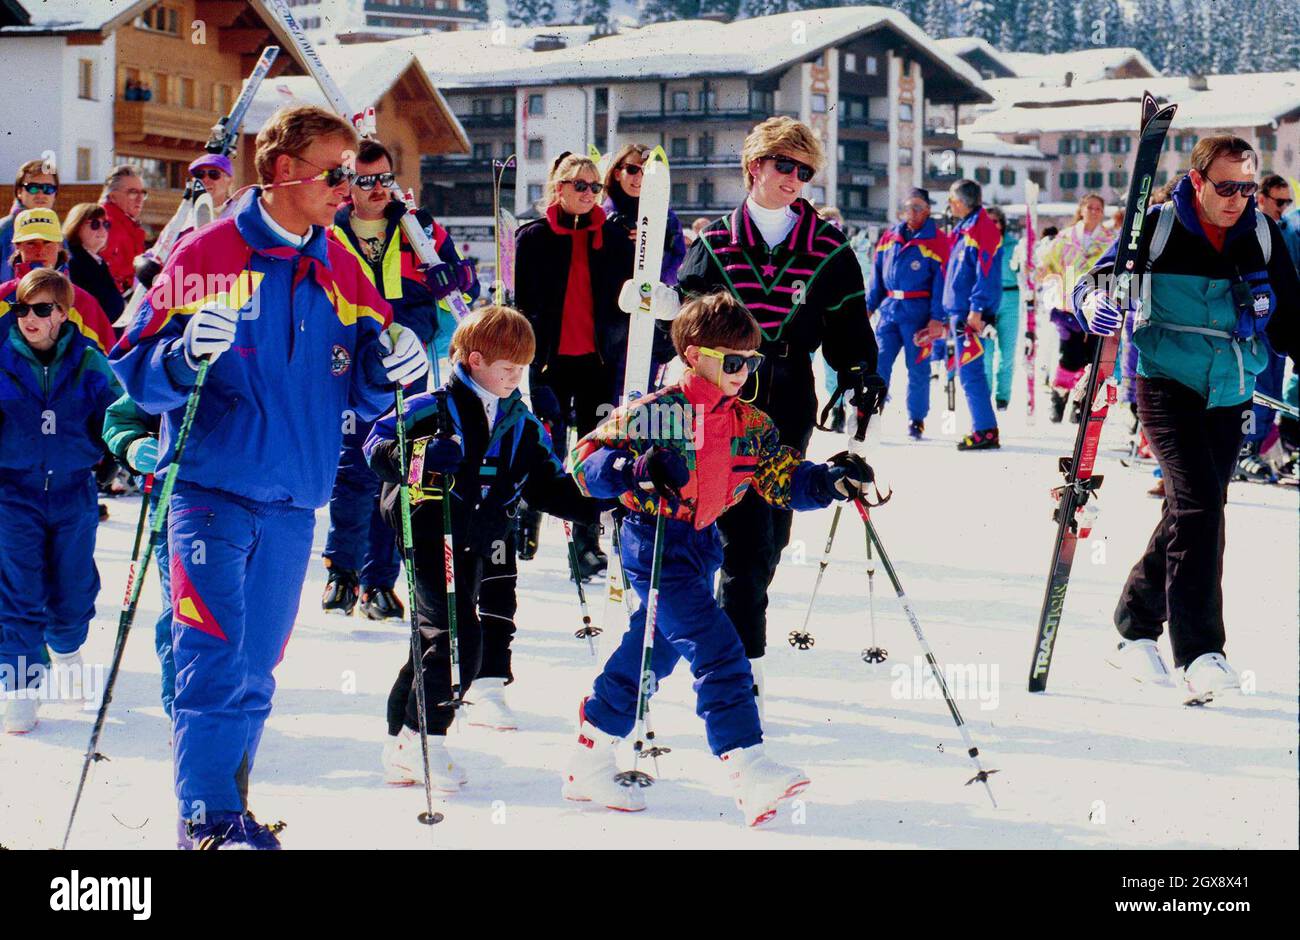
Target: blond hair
x,y
780,135
566,167
1087,197
46,279
292,130
496,332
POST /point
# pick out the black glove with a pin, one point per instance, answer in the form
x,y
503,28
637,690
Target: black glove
x,y
842,477
662,471
869,398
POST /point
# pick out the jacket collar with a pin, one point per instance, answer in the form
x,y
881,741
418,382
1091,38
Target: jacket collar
x,y
1184,200
67,335
745,233
702,393
259,237
562,223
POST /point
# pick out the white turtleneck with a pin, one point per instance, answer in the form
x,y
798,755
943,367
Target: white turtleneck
x,y
282,233
489,401
773,224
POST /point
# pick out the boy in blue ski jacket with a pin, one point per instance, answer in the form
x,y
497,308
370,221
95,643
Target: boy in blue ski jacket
x,y
54,388
906,290
690,452
295,336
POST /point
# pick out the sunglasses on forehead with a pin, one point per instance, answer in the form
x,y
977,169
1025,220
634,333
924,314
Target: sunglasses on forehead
x,y
367,182
787,165
42,310
1245,187
34,189
734,362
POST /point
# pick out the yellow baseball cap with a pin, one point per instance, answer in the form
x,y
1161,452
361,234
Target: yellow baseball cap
x,y
33,224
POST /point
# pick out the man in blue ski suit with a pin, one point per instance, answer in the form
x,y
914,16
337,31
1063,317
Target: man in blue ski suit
x,y
295,335
361,549
906,289
972,292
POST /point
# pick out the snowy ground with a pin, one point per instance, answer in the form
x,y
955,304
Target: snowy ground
x,y
1096,763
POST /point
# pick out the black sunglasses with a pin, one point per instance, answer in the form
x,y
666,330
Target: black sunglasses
x,y
1245,187
786,165
631,169
97,224
210,174
581,186
48,188
368,181
42,310
734,362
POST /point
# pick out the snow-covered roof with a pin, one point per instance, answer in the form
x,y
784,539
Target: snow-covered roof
x,y
66,16
364,73
1086,65
994,146
966,45
682,49
1246,100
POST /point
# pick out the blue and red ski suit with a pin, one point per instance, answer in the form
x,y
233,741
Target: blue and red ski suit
x,y
906,288
261,458
973,284
51,414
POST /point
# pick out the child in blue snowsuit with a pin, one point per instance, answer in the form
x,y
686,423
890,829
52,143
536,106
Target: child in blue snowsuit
x,y
973,287
691,472
906,288
296,336
54,388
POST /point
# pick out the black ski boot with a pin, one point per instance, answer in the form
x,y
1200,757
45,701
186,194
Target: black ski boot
x,y
915,429
1003,404
1058,406
340,592
980,440
381,604
591,560
528,528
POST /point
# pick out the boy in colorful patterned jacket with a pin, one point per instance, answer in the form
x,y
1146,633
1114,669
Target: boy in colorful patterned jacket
x,y
691,451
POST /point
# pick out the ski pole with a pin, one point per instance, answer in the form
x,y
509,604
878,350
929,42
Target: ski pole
x,y
1276,404
133,585
628,598
801,638
873,653
428,817
981,775
449,570
644,745
587,632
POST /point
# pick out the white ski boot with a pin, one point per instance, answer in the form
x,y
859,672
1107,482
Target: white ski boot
x,y
66,677
20,713
404,765
1208,675
760,700
1141,661
589,776
760,783
491,710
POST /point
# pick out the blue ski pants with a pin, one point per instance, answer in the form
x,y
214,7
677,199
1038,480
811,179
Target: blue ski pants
x,y
894,336
359,539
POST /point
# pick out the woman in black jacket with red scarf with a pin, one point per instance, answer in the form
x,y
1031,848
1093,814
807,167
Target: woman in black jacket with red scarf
x,y
569,267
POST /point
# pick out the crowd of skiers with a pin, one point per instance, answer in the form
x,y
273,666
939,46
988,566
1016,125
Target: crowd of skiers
x,y
310,276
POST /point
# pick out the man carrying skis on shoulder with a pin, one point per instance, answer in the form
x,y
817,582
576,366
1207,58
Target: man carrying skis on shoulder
x,y
1220,285
311,341
360,549
799,277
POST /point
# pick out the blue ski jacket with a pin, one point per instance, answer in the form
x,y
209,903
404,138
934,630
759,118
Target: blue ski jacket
x,y
974,279
907,273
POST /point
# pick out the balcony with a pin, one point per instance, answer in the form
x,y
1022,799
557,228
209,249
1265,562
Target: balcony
x,y
416,9
862,173
937,178
711,209
161,125
504,119
630,119
865,215
945,137
716,160
864,124
447,166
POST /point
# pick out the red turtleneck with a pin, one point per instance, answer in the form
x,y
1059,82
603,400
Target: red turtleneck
x,y
578,322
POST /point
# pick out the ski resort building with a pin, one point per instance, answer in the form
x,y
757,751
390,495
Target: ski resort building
x,y
885,98
329,22
1090,127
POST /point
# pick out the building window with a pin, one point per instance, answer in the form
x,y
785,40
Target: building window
x,y
1092,179
602,100
534,193
850,62
187,93
819,104
904,156
1094,145
481,106
1118,179
708,100
483,151
508,105
873,67
1067,145
681,101
160,19
1268,143
982,175
905,112
680,194
160,92
223,98
706,145
1039,177
1007,176
84,161
679,147
1069,180
705,192
536,104
535,148
763,102
86,79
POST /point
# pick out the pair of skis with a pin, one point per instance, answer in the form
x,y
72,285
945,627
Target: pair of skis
x,y
1073,513
1030,298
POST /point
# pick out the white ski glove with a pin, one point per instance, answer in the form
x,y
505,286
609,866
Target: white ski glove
x,y
405,360
209,333
664,302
